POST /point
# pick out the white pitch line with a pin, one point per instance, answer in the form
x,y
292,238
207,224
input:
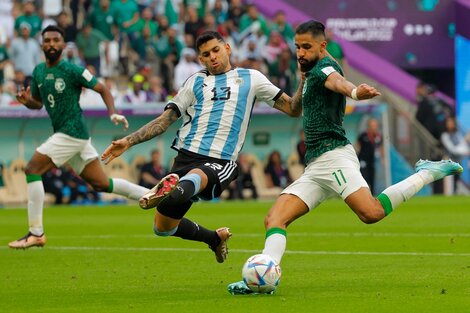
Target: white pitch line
x,y
390,253
331,235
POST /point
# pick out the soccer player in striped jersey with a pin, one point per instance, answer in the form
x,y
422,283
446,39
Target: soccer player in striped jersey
x,y
57,85
333,168
215,107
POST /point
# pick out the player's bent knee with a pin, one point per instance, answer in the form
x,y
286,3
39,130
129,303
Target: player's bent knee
x,y
371,216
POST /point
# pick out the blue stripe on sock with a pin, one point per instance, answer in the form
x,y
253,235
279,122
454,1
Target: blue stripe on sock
x,y
171,232
195,179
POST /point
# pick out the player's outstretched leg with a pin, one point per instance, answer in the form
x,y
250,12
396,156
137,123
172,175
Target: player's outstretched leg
x,y
160,192
28,241
426,173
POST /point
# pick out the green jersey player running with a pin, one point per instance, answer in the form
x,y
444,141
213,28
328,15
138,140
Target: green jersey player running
x,y
57,85
332,165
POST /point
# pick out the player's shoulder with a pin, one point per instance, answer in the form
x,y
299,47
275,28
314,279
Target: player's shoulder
x,y
204,73
69,66
329,64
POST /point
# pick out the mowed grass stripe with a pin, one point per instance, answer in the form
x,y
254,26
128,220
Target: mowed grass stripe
x,y
391,253
331,235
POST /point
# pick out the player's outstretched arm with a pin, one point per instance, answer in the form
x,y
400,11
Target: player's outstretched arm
x,y
150,130
24,97
109,101
337,83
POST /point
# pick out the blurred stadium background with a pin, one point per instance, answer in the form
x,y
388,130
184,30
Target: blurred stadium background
x,y
135,47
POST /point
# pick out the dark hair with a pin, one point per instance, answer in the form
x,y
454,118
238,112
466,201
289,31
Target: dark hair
x,y
206,36
313,27
53,28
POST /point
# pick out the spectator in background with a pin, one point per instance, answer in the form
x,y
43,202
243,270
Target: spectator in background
x,y
136,95
30,18
249,49
88,44
126,15
168,48
283,27
54,182
283,71
432,112
333,47
274,47
243,181
152,172
301,148
200,6
145,30
7,93
102,19
110,83
220,11
276,172
20,80
157,92
235,12
4,60
194,24
64,22
8,12
71,54
455,144
187,66
252,21
25,52
368,148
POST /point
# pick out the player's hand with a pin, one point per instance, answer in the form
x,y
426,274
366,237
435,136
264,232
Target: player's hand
x,y
23,95
118,118
365,91
115,149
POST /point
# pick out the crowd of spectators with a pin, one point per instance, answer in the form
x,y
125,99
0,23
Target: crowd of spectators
x,y
119,39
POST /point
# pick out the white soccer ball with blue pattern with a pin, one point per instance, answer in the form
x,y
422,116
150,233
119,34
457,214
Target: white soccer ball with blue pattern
x,y
261,273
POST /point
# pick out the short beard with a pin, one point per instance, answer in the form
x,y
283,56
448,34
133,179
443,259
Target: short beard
x,y
52,57
305,67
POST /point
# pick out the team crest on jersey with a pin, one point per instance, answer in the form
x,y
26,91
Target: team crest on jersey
x,y
239,81
59,84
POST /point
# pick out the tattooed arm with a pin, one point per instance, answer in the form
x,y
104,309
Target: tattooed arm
x,y
152,129
292,106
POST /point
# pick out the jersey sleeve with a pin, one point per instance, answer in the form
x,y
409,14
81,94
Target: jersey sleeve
x,y
185,96
264,90
321,72
83,77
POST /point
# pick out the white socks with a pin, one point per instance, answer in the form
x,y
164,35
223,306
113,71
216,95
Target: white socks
x,y
407,188
35,207
275,246
127,189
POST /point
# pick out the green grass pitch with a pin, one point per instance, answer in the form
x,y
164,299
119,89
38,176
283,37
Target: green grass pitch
x,y
106,259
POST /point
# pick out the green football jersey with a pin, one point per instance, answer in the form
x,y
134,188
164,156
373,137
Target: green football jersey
x,y
59,88
323,111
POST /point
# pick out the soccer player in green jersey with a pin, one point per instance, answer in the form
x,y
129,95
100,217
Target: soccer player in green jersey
x,y
56,85
332,165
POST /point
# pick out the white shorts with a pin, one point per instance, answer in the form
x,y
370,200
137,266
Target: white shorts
x,y
334,173
62,149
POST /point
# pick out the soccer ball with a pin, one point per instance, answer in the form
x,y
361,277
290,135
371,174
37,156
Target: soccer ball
x,y
261,273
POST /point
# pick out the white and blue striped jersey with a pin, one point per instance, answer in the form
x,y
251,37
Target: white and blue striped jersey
x,y
216,110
